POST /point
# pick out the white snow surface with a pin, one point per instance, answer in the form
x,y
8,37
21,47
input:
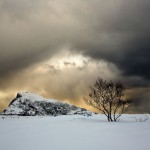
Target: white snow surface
x,y
35,97
74,132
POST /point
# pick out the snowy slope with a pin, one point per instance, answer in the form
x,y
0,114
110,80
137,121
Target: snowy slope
x,y
30,104
74,132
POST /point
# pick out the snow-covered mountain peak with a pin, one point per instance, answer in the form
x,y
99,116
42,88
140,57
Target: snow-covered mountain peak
x,y
30,104
34,97
31,96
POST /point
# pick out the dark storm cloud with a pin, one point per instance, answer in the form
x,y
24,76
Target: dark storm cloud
x,y
141,98
137,60
14,62
116,31
26,35
123,38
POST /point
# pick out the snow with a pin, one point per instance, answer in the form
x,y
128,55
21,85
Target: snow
x,y
74,132
35,97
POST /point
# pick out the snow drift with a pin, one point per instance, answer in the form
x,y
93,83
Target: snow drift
x,y
74,132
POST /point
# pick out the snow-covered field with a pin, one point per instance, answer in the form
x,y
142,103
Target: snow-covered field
x,y
74,133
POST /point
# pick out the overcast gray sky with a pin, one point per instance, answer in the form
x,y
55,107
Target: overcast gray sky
x,y
57,48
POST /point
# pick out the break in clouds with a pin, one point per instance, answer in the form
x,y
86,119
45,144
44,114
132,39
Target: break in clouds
x,y
57,48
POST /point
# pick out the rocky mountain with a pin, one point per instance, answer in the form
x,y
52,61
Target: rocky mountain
x,y
30,104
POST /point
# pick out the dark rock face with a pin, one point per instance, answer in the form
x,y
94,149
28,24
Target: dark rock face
x,y
29,104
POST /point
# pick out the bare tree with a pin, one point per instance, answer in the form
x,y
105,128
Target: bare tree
x,y
108,98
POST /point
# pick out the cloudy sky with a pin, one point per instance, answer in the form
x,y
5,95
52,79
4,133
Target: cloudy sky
x,y
57,48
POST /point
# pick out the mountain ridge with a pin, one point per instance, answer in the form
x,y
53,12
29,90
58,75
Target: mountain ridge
x,y
31,104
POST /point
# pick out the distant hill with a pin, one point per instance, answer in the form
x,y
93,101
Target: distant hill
x,y
30,104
